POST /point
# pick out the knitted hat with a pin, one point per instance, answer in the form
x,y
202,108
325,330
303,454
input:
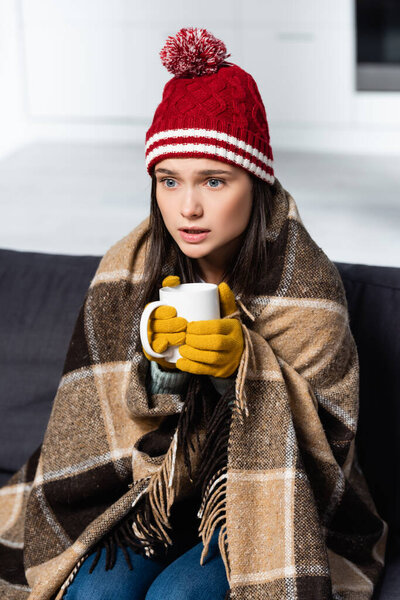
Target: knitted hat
x,y
210,108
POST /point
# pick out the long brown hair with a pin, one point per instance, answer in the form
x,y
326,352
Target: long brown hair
x,y
247,271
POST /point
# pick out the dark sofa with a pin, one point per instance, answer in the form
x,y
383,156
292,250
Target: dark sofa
x,y
40,296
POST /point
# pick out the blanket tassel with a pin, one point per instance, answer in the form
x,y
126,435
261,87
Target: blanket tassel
x,y
159,498
240,404
213,474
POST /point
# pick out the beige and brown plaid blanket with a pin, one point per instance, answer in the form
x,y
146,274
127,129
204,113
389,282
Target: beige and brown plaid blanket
x,y
297,521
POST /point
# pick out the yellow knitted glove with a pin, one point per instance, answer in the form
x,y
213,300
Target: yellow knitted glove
x,y
214,347
164,328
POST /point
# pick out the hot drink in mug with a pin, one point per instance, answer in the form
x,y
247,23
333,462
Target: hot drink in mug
x,y
193,302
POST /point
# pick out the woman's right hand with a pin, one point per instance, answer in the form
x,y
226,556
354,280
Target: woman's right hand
x,y
164,328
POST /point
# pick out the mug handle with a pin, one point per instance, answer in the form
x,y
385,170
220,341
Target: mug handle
x,y
143,329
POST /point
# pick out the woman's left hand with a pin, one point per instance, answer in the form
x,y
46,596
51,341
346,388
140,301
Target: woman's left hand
x,y
213,347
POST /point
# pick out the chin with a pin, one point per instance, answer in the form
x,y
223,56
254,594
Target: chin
x,y
194,250
194,253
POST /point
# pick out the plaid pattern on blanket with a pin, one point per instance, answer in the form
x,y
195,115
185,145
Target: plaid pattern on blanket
x,y
297,519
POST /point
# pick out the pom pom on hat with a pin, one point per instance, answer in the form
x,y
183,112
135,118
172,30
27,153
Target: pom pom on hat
x,y
193,52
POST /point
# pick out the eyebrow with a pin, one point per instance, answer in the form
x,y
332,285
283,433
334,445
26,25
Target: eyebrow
x,y
203,172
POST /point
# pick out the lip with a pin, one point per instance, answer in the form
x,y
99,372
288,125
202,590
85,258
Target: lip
x,y
188,234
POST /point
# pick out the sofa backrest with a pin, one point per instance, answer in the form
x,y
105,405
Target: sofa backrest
x,y
373,295
40,296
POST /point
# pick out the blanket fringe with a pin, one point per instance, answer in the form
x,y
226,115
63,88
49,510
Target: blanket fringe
x,y
151,523
213,473
240,404
156,503
213,512
210,475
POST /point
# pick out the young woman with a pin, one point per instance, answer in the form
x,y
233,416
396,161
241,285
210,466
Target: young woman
x,y
205,206
248,441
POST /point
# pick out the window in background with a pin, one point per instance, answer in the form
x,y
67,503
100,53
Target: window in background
x,y
378,45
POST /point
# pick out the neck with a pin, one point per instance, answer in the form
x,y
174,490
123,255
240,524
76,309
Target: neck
x,y
210,273
212,267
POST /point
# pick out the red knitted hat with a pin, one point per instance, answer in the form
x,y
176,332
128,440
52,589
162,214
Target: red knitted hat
x,y
210,108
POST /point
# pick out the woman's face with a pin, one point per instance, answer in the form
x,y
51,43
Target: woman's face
x,y
206,206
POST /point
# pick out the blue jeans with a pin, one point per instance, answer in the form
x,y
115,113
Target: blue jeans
x,y
151,579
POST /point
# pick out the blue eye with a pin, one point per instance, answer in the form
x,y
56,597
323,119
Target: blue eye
x,y
218,180
167,179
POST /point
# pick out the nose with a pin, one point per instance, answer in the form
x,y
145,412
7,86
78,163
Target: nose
x,y
191,206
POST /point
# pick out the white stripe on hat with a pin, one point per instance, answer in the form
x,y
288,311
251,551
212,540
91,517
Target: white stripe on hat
x,y
210,133
246,163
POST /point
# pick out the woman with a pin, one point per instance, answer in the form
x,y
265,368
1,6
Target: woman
x,y
248,441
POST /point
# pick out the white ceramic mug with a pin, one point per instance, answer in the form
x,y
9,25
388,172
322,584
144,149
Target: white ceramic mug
x,y
193,302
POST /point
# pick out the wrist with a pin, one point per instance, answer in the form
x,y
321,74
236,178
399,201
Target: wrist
x,y
170,381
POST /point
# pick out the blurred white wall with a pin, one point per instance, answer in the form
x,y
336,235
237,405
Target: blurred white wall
x,y
90,69
13,111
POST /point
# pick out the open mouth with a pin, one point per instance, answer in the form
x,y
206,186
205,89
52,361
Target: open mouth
x,y
193,235
195,230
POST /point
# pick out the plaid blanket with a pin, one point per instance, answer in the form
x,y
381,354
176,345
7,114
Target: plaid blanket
x,y
282,479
